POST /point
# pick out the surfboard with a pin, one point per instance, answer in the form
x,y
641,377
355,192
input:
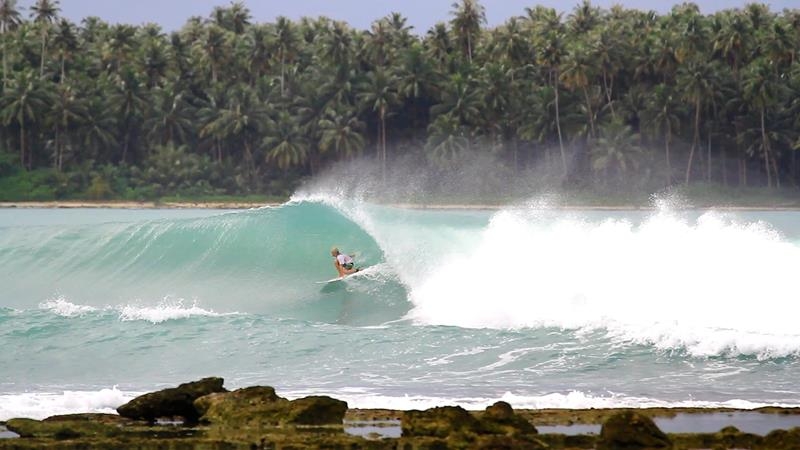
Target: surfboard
x,y
334,280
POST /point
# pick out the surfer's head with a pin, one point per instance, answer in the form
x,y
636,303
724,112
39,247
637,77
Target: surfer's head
x,y
334,251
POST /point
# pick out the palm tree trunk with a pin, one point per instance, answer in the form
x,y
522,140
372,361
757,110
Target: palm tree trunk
x,y
708,158
765,147
44,48
469,48
724,157
22,143
383,143
666,153
57,150
695,140
283,72
608,94
5,56
589,110
558,128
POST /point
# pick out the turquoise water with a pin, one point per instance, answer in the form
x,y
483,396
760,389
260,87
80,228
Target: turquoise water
x,y
539,307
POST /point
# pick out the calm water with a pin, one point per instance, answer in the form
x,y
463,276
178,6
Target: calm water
x,y
536,307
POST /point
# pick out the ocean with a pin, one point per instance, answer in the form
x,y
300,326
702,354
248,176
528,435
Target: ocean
x,y
538,306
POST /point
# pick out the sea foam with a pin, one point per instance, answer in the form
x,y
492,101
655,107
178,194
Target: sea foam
x,y
44,404
167,309
365,399
708,286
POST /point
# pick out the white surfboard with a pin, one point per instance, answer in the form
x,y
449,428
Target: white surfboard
x,y
334,280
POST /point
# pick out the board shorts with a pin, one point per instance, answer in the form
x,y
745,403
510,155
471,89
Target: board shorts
x,y
348,266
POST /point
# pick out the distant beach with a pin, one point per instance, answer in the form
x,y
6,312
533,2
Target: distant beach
x,y
440,206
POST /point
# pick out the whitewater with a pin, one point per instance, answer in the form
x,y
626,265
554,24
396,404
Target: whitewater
x,y
535,305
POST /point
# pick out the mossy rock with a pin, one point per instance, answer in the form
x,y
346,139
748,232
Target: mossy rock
x,y
61,429
259,406
782,440
499,418
172,402
439,422
631,430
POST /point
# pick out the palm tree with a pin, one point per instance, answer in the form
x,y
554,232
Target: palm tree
x,y
287,44
698,83
98,128
341,132
285,142
468,16
551,54
664,118
44,13
460,99
9,20
438,44
759,89
576,75
118,47
214,50
171,121
447,139
379,94
242,119
67,110
66,44
616,149
24,103
131,100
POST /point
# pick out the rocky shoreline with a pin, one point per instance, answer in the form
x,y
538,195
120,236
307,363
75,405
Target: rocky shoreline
x,y
205,415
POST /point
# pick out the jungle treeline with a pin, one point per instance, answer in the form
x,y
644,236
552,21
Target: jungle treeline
x,y
229,105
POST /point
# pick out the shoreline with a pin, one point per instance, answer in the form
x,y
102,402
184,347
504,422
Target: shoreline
x,y
412,206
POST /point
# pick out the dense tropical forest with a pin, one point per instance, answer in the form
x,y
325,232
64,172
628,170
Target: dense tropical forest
x,y
593,98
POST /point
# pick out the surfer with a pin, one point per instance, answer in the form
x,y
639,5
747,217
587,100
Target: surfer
x,y
344,263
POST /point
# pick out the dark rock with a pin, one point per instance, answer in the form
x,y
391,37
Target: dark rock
x,y
316,410
500,419
171,402
499,411
439,422
631,430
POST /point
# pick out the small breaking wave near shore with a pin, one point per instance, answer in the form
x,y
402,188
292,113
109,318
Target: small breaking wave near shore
x,y
167,309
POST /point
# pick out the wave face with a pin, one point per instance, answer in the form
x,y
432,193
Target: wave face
x,y
540,307
258,261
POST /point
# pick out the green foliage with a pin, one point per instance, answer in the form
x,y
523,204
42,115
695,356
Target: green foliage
x,y
226,105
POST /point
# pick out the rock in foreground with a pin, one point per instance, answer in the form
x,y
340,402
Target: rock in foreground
x,y
631,430
172,402
259,406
